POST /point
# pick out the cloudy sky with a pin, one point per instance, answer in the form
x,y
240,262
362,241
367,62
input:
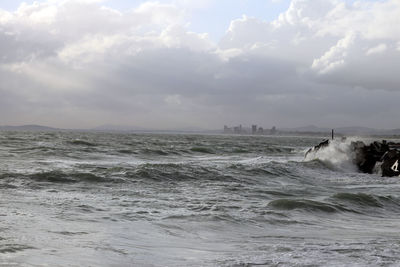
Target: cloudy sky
x,y
188,63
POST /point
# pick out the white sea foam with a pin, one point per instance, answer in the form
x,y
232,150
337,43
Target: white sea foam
x,y
338,154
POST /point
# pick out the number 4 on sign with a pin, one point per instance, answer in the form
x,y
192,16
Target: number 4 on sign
x,y
395,166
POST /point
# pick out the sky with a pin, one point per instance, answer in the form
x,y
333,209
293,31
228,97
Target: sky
x,y
182,64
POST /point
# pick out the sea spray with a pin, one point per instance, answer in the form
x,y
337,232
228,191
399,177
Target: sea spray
x,y
337,154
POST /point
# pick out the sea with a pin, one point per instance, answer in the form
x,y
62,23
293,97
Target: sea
x,y
124,199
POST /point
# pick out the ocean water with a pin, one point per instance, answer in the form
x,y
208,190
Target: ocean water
x,y
98,199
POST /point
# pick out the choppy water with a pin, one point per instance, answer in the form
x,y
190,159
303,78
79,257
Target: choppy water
x,y
91,199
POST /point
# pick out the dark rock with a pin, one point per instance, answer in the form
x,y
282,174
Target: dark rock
x,y
323,144
390,163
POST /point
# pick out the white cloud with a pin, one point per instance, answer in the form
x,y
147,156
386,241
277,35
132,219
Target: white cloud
x,y
335,57
377,49
245,32
162,14
194,4
306,12
80,58
37,13
178,36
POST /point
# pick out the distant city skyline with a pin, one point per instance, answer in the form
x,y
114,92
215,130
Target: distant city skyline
x,y
254,130
173,64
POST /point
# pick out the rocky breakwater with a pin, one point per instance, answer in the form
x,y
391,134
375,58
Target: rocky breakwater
x,y
382,156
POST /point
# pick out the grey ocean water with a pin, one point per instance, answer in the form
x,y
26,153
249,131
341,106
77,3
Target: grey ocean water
x,y
97,199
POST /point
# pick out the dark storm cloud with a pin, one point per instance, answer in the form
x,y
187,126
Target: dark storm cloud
x,y
321,62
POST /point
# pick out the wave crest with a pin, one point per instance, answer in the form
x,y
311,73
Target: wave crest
x,y
303,204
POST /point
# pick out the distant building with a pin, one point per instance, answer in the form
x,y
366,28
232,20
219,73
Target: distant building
x,y
238,130
253,129
227,130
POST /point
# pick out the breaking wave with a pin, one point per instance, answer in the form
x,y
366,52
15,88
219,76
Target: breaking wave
x,y
368,203
337,155
359,203
303,204
54,177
